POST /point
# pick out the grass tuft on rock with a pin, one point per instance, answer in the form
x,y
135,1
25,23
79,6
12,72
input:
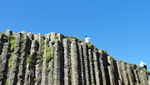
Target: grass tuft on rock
x,y
12,43
55,37
10,61
48,54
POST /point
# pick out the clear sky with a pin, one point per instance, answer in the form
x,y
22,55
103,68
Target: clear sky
x,y
121,27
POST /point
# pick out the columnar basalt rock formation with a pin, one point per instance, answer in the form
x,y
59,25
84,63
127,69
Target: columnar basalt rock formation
x,y
54,59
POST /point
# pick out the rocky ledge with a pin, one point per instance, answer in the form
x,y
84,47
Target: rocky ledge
x,y
55,59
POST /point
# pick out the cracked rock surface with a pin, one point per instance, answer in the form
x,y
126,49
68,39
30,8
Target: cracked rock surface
x,y
54,59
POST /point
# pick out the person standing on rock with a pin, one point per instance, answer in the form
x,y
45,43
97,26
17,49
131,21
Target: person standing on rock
x,y
87,39
143,65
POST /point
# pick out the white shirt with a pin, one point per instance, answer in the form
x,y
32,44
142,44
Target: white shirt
x,y
142,64
87,39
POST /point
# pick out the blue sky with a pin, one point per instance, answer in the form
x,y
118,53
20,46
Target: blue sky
x,y
121,27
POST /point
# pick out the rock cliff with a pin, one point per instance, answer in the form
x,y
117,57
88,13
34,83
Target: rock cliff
x,y
55,59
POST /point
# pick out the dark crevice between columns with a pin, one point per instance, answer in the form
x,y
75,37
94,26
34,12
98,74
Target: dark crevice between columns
x,y
61,48
88,64
116,74
94,77
83,66
4,71
106,63
99,68
79,65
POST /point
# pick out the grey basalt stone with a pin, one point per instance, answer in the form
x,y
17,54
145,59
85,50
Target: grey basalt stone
x,y
14,67
86,65
8,32
90,56
3,63
60,37
44,80
31,36
112,71
71,62
67,62
1,43
22,59
52,36
97,71
74,63
56,74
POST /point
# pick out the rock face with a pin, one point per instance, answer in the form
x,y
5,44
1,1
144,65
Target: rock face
x,y
54,59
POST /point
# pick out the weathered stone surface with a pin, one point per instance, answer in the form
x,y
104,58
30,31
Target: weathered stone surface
x,y
8,32
3,63
44,66
15,61
91,75
74,64
1,43
112,71
67,64
30,35
53,59
81,65
21,71
86,65
52,35
97,71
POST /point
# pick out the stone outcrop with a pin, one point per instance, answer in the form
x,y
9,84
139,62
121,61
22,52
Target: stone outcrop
x,y
55,59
